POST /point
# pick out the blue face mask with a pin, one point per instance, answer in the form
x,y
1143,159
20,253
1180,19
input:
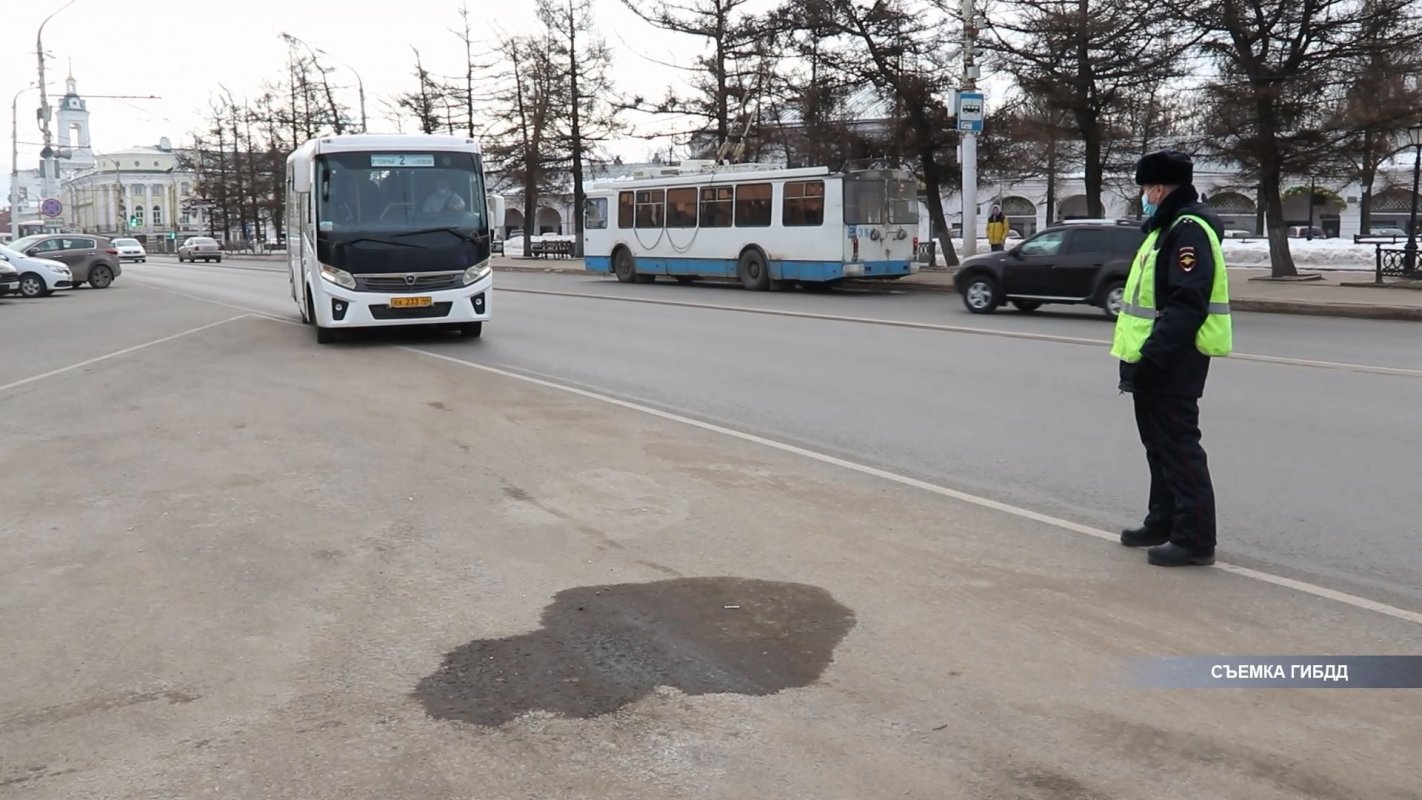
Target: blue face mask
x,y
1147,207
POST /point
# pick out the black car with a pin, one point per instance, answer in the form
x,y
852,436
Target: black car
x,y
1083,262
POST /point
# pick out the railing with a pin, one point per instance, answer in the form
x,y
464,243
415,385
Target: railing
x,y
560,248
1393,262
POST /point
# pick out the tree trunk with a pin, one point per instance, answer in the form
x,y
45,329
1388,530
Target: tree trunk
x,y
933,185
577,135
1051,179
1095,173
1280,259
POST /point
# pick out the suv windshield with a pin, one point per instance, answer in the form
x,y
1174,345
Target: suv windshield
x,y
27,242
126,242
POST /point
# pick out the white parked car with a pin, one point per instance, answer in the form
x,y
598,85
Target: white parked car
x,y
39,277
130,250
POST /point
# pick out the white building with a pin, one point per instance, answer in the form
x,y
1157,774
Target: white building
x,y
140,192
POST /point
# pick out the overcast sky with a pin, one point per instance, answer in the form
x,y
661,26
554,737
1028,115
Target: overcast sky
x,y
180,50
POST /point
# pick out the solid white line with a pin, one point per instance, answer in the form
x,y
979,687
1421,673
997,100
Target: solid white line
x,y
118,353
932,326
942,491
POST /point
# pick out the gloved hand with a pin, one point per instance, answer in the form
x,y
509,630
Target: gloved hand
x,y
1146,375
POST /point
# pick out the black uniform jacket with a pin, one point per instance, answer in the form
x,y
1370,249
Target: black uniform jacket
x,y
1184,273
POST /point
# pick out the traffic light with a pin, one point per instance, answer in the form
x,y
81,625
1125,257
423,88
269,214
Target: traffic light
x,y
133,222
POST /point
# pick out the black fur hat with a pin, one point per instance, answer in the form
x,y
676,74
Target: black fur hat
x,y
1165,168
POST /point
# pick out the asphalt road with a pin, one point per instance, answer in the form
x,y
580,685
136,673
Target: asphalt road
x,y
1314,471
235,563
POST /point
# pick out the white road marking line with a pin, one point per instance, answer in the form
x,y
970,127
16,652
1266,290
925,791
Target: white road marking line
x,y
117,353
932,326
942,491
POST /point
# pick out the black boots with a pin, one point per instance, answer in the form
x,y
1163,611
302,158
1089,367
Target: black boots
x,y
1162,552
1144,536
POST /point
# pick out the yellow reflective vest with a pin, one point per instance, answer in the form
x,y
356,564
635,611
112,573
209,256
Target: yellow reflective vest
x,y
1139,311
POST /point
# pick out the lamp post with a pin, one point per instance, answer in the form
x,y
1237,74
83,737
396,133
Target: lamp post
x,y
15,163
360,84
49,163
1414,135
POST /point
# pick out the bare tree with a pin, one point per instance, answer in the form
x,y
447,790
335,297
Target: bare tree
x,y
729,82
1383,98
424,102
895,49
526,144
585,65
1279,63
1088,58
477,64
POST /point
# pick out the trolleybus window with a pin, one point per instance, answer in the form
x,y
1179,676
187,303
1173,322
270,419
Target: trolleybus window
x,y
651,208
804,203
716,206
624,209
681,208
903,202
753,205
596,217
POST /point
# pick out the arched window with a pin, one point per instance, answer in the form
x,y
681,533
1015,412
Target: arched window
x,y
138,212
157,216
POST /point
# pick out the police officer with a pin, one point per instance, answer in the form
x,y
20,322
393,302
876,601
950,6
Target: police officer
x,y
1174,319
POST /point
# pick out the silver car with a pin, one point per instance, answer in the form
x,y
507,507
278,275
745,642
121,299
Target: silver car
x,y
200,247
130,250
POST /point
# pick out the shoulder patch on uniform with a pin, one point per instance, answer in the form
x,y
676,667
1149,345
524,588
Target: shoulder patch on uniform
x,y
1185,257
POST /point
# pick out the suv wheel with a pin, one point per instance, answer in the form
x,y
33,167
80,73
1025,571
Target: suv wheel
x,y
980,294
1113,298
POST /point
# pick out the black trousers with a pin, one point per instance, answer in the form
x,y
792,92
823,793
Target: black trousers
x,y
1182,498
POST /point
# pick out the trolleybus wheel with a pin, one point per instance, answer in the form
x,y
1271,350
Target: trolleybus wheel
x,y
752,271
624,266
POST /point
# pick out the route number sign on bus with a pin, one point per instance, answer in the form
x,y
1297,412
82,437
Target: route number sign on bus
x,y
407,160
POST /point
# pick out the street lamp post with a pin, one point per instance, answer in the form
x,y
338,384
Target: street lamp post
x,y
49,162
360,84
15,163
1414,135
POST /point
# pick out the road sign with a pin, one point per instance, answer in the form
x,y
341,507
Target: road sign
x,y
970,112
51,207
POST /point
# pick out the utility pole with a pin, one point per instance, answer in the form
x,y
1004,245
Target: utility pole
x,y
49,164
970,115
15,164
360,84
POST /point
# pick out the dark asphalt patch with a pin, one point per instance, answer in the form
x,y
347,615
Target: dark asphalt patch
x,y
602,647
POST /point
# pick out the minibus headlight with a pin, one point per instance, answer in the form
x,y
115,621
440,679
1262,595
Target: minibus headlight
x,y
477,273
338,276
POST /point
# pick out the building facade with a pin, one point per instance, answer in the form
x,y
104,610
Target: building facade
x,y
140,192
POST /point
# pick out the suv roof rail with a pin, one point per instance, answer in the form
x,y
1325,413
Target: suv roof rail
x,y
1098,221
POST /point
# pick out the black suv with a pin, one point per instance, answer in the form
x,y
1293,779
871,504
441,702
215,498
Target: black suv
x,y
1078,262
